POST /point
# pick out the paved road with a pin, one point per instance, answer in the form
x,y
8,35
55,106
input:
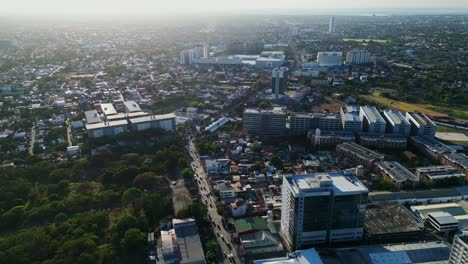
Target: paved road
x,y
207,197
69,133
33,140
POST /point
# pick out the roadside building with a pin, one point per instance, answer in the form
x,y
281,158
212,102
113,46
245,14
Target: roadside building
x,y
358,155
397,173
165,122
308,256
442,173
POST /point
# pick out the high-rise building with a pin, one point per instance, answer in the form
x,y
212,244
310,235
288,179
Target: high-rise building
x,y
205,51
350,118
357,57
331,25
331,58
188,56
322,208
372,121
270,122
396,123
459,252
279,81
421,125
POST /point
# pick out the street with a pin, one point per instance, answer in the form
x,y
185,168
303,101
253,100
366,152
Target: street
x,y
223,237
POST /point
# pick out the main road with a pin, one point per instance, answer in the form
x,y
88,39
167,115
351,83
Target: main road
x,y
223,237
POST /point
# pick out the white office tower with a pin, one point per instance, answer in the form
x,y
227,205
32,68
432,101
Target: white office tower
x,y
322,208
184,57
459,252
331,26
279,81
421,125
357,57
396,123
372,121
331,58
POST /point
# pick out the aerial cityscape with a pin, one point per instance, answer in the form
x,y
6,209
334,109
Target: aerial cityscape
x,y
207,131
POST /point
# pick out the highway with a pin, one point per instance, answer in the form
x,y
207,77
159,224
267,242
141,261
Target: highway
x,y
223,237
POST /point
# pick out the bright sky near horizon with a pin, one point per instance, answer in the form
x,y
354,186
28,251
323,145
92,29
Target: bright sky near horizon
x,y
193,6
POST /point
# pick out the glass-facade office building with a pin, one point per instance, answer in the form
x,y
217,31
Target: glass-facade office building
x,y
322,208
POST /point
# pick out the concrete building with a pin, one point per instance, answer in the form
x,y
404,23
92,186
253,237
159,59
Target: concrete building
x,y
301,123
439,173
225,190
279,82
92,117
131,107
331,25
372,121
442,221
322,208
188,241
421,125
358,155
322,138
382,141
459,252
261,122
107,129
308,256
329,59
430,147
165,122
397,173
457,160
350,120
108,109
396,123
357,57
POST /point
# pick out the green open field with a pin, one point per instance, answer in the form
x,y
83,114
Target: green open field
x,y
461,112
366,40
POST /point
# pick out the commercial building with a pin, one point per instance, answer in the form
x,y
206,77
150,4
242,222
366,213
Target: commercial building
x,y
357,57
131,107
372,121
396,123
358,155
301,123
350,119
108,109
459,252
322,138
397,173
308,256
165,122
260,242
442,221
92,117
390,222
421,125
433,196
189,56
329,59
322,208
279,82
383,141
439,173
270,122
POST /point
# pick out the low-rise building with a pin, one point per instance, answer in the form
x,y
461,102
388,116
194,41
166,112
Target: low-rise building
x,y
430,147
259,242
458,161
107,129
225,190
439,174
397,173
358,154
383,141
308,256
322,138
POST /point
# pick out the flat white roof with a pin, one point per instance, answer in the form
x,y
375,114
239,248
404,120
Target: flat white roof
x,y
152,118
309,256
338,181
132,106
107,124
108,109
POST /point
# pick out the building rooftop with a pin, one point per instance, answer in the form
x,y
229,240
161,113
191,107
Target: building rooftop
x,y
92,117
421,118
308,256
217,124
361,151
338,182
275,110
261,238
395,117
188,241
424,194
424,210
351,113
132,106
248,224
420,252
443,218
372,114
432,144
396,171
151,118
107,124
439,172
459,158
108,109
389,218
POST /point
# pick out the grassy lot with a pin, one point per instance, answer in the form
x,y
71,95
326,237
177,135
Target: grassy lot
x,y
425,108
366,40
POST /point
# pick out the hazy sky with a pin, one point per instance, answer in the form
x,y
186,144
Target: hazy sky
x,y
193,6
